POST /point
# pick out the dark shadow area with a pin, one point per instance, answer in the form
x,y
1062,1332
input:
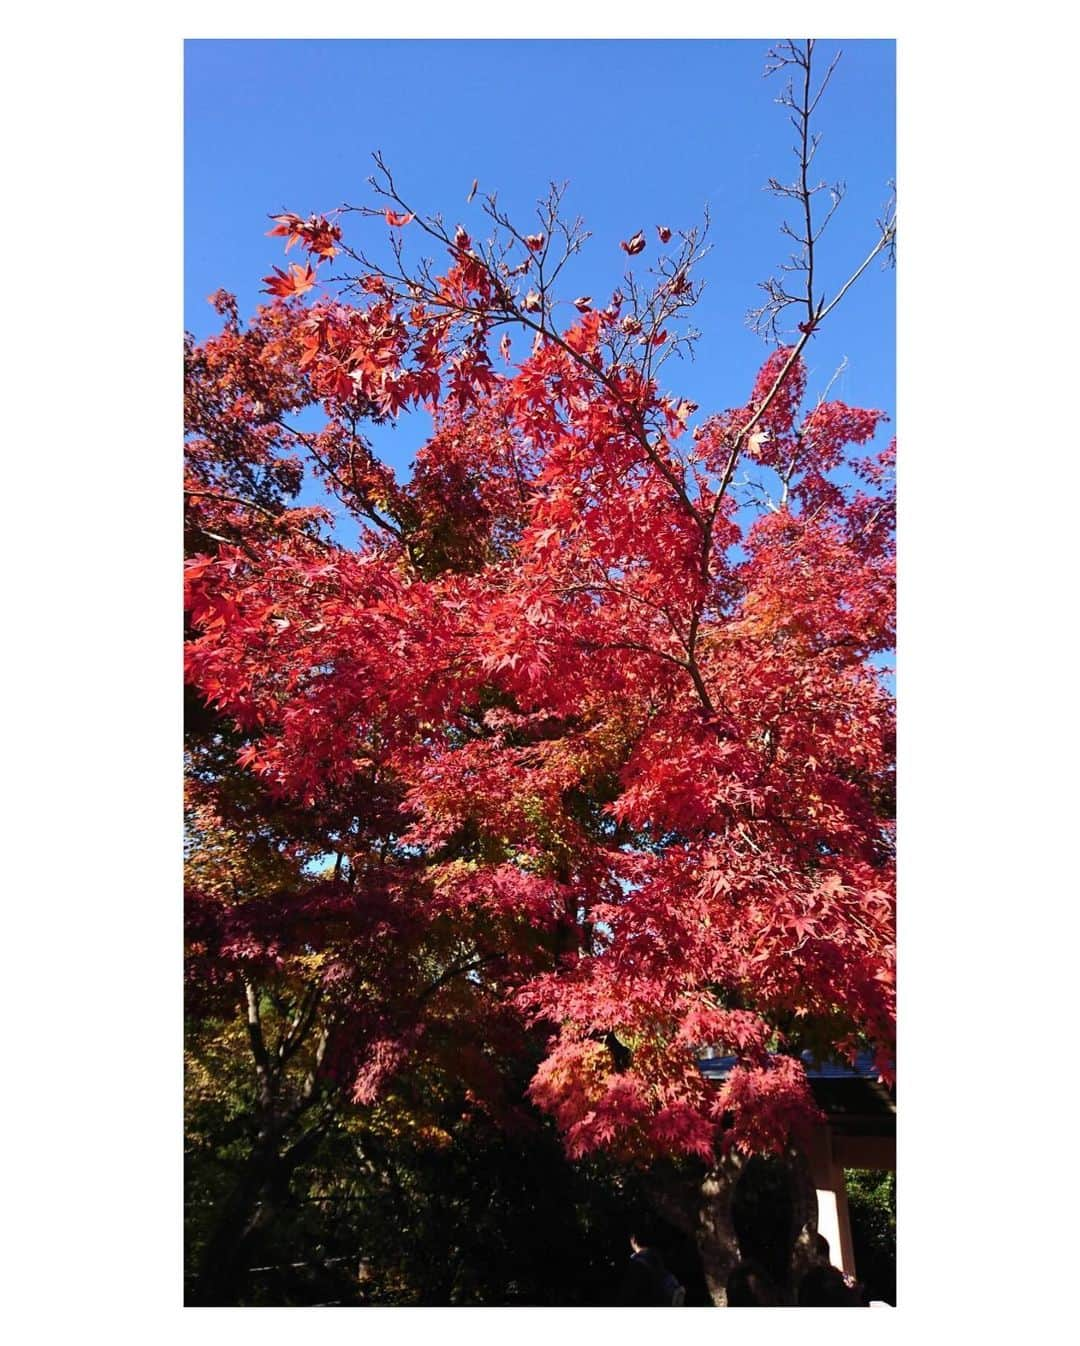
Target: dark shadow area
x,y
488,1219
763,1212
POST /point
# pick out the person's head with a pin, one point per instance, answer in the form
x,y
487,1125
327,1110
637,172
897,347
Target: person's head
x,y
823,1287
645,1245
643,1233
821,1247
747,1287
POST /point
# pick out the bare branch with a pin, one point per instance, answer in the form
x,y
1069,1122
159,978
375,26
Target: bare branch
x,y
802,102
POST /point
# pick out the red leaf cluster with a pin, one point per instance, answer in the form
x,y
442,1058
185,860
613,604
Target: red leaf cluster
x,y
588,712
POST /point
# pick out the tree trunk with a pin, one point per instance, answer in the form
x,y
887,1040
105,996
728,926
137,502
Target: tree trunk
x,y
249,1209
804,1253
703,1206
699,1203
259,1196
717,1241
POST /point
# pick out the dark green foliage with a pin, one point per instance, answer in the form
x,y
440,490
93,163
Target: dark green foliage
x,y
872,1205
496,1220
486,1219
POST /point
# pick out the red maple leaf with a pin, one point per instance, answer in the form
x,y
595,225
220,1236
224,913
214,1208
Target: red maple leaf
x,y
296,281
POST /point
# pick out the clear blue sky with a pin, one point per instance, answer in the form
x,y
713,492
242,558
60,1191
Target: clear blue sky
x,y
646,132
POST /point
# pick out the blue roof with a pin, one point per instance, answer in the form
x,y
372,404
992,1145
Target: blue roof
x,y
717,1067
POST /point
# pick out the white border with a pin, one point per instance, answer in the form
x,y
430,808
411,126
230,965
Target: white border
x,y
93,109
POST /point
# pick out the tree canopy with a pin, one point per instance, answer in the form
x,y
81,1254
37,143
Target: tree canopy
x,y
584,742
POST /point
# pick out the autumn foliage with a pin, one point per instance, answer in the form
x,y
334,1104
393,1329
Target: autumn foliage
x,y
590,730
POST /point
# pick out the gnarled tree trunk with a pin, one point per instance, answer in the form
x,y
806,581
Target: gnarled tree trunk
x,y
717,1241
699,1202
261,1192
702,1204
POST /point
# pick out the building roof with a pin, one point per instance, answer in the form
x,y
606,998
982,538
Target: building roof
x,y
851,1095
718,1067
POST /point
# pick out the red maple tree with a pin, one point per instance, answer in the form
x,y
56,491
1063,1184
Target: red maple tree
x,y
581,693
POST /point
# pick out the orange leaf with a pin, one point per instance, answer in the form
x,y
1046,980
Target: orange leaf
x,y
286,226
297,280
